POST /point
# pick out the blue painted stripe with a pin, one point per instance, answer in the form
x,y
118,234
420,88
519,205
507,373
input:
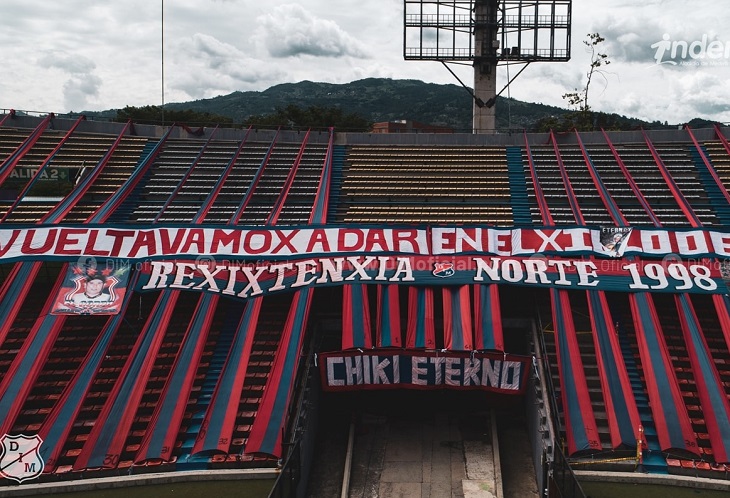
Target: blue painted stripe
x,y
171,399
611,375
707,377
223,395
487,318
571,402
662,373
420,317
359,297
276,420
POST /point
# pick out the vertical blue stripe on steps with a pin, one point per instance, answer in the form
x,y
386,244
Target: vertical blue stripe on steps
x,y
127,206
338,164
654,462
717,200
232,313
518,187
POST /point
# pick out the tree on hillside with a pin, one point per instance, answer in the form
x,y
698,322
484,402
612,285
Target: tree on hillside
x,y
152,114
293,116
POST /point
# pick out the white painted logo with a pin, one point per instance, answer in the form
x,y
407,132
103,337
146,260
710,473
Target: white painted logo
x,y
702,52
20,459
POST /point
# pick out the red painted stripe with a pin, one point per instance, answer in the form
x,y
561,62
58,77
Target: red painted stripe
x,y
562,314
116,444
619,369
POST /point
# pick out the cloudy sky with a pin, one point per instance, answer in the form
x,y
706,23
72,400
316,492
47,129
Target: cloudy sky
x,y
75,55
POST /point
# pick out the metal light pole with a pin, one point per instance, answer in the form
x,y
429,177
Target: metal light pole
x,y
162,56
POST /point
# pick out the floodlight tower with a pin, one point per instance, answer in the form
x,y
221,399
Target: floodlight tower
x,y
484,34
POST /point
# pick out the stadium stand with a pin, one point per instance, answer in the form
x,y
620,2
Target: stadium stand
x,y
182,380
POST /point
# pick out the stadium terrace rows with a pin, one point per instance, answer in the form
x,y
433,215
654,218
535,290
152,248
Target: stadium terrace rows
x,y
176,377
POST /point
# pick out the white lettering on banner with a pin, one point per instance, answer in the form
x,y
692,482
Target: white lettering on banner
x,y
656,276
692,243
175,242
419,370
248,281
528,270
384,370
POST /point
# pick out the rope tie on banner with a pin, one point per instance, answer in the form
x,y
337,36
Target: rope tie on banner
x,y
640,449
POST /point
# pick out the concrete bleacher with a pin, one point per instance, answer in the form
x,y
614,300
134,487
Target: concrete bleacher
x,y
415,185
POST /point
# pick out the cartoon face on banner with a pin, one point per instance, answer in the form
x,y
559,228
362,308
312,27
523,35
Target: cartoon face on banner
x,y
613,240
92,288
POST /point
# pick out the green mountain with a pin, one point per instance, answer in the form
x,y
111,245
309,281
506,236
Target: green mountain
x,y
381,99
376,99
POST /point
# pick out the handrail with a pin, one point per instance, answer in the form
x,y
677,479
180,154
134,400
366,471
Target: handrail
x,y
708,165
284,193
673,187
68,203
572,199
630,179
722,138
185,177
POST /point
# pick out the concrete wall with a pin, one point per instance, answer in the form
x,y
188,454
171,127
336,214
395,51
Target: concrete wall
x,y
322,136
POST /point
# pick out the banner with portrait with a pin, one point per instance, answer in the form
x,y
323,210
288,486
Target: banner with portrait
x,y
92,287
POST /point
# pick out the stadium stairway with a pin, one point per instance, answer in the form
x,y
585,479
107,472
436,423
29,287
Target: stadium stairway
x,y
518,187
338,162
654,462
215,366
125,209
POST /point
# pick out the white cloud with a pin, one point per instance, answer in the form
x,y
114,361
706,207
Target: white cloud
x,y
290,30
100,55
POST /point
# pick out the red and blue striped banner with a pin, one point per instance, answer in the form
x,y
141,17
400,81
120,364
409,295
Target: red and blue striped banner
x,y
488,332
621,411
457,319
266,431
580,422
421,330
356,330
674,429
713,398
388,326
105,443
22,373
159,439
220,417
58,424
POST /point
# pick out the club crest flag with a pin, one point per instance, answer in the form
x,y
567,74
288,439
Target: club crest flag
x,y
20,458
92,287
